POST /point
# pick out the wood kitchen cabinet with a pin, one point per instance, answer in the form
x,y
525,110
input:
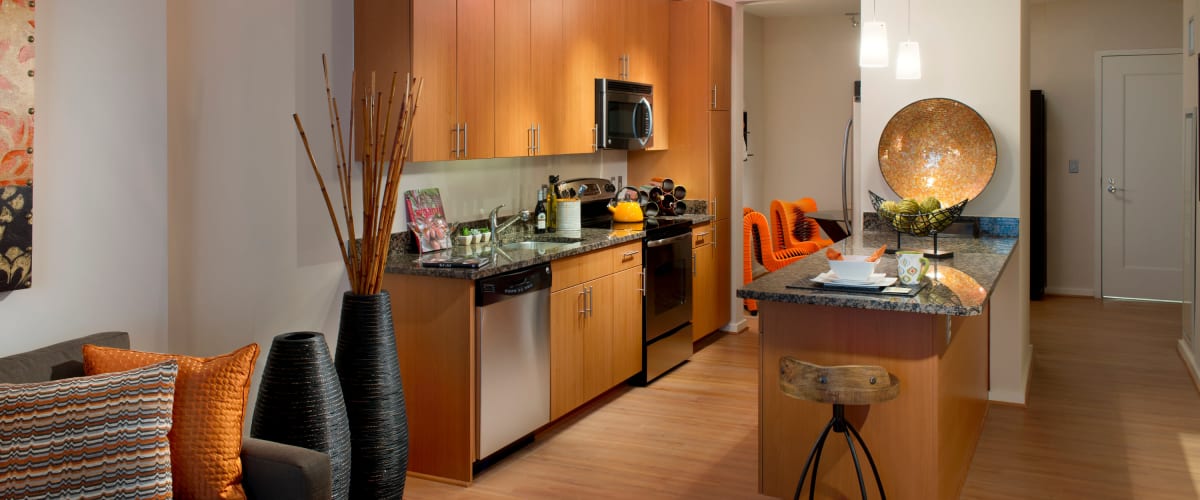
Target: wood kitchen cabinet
x,y
615,39
529,77
720,49
454,52
704,286
719,165
592,323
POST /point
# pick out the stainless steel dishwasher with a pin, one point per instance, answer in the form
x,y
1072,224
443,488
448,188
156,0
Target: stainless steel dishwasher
x,y
512,313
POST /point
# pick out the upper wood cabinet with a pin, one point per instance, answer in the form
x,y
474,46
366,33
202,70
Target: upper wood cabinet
x,y
529,77
454,51
647,50
720,48
382,45
719,164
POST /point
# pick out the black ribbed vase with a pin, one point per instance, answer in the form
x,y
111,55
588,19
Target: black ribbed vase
x,y
370,373
300,403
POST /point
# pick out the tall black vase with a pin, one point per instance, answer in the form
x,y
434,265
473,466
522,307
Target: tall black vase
x,y
300,403
367,364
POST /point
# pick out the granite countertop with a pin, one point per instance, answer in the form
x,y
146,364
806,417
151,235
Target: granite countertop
x,y
956,286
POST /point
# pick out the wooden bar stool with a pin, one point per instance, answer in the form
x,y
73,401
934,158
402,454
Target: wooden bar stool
x,y
839,386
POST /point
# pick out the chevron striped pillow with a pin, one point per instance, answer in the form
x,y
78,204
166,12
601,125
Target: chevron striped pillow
x,y
102,436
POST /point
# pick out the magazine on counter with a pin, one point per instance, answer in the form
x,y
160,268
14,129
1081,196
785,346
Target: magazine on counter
x,y
454,261
427,219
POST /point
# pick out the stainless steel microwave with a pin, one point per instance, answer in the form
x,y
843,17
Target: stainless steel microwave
x,y
624,114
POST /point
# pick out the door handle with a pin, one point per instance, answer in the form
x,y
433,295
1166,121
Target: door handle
x,y
590,302
714,96
643,289
457,141
595,137
529,136
583,300
537,138
693,263
1112,186
466,141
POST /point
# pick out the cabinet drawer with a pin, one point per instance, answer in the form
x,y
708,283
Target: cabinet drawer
x,y
702,235
572,271
627,255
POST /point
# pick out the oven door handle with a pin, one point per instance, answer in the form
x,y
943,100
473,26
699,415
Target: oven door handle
x,y
667,241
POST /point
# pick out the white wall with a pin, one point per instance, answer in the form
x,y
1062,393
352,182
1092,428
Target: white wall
x,y
252,254
100,174
1065,36
975,52
756,107
809,67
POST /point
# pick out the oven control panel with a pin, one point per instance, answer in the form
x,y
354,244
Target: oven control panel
x,y
587,189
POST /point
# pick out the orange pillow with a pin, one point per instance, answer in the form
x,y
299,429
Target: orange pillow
x,y
210,405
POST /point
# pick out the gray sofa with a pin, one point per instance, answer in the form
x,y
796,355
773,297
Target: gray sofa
x,y
269,470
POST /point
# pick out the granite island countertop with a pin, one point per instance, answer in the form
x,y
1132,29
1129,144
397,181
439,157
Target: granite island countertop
x,y
957,286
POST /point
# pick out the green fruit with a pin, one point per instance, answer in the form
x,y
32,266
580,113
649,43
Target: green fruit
x,y
888,206
908,206
930,204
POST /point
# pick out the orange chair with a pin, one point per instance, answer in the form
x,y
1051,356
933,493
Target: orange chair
x,y
754,246
793,229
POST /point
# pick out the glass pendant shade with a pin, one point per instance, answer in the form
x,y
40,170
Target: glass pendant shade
x,y
873,47
908,61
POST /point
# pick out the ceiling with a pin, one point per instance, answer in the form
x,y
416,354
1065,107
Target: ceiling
x,y
788,8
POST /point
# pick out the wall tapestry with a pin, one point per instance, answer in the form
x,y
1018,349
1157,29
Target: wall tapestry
x,y
16,144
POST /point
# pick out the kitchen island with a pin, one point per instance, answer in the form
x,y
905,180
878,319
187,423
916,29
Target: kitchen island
x,y
936,343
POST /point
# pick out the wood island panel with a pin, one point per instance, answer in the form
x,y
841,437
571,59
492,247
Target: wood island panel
x,y
434,320
922,441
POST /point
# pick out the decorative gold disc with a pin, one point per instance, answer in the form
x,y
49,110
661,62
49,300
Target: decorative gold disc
x,y
937,147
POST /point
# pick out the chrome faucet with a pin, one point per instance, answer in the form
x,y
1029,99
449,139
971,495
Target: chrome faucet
x,y
522,216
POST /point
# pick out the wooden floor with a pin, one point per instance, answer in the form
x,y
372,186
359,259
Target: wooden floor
x,y
1112,413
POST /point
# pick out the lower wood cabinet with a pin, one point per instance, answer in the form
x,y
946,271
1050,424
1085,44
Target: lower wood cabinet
x,y
710,278
595,327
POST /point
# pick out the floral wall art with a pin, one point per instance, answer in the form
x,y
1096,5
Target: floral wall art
x,y
16,143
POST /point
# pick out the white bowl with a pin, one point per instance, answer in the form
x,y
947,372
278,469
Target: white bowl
x,y
853,267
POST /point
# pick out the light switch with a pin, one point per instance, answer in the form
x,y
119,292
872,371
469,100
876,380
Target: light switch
x,y
1073,167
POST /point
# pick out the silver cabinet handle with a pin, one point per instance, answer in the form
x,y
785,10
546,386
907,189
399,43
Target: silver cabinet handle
x,y
714,96
701,235
537,138
629,254
529,137
595,137
466,141
583,299
590,302
457,141
643,289
693,263
714,206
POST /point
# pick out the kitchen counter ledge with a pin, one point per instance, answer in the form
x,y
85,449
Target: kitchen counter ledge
x,y
400,262
958,286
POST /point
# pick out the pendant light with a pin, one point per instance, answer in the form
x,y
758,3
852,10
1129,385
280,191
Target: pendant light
x,y
908,57
873,46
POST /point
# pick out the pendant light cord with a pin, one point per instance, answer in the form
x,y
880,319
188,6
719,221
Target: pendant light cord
x,y
908,27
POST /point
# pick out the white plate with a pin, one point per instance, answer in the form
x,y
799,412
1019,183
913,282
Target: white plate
x,y
877,280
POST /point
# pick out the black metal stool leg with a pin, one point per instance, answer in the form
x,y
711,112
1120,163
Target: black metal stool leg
x,y
812,482
874,470
862,487
814,453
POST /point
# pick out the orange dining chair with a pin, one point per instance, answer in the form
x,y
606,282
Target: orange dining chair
x,y
755,249
795,230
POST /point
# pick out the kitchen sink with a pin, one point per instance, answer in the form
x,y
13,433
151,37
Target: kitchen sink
x,y
540,246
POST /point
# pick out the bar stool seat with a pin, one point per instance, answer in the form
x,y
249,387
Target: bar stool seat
x,y
838,386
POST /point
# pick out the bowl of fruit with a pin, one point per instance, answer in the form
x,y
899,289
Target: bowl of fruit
x,y
917,217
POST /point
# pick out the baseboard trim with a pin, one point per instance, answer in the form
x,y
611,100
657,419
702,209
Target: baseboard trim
x,y
1189,361
735,326
1071,292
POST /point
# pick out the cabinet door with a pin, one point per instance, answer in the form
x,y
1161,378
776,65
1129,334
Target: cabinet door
x,y
720,48
647,45
703,292
597,338
722,264
567,323
548,80
383,45
719,167
434,59
476,77
580,70
515,109
627,324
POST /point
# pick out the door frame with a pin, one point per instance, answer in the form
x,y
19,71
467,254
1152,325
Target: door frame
x,y
1098,162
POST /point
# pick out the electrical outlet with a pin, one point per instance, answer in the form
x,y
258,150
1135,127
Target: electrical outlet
x,y
1073,167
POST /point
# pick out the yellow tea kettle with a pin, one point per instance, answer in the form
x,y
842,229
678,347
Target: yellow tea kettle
x,y
626,211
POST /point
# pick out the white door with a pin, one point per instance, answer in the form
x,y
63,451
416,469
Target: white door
x,y
1141,137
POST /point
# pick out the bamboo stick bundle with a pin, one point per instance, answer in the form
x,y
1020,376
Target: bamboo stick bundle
x,y
381,167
